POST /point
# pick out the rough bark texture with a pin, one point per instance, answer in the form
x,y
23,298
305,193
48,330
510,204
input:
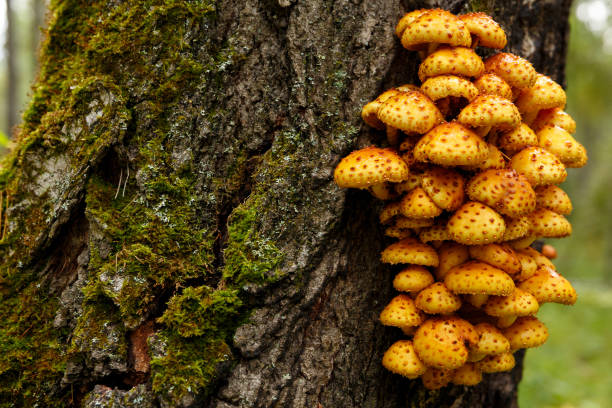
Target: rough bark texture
x,y
174,237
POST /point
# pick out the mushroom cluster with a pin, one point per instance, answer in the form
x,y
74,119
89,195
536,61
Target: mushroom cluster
x,y
470,176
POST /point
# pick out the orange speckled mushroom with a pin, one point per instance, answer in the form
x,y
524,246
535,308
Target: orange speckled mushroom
x,y
549,224
399,233
435,233
370,110
435,378
439,343
476,300
467,374
539,166
368,166
504,190
539,258
516,71
413,278
466,330
410,251
450,254
497,363
526,332
528,265
516,228
517,139
414,180
491,84
401,312
495,160
548,286
444,186
523,243
404,222
437,299
389,211
451,144
444,86
458,61
407,19
417,204
476,224
544,94
555,117
401,359
499,256
435,27
563,145
484,30
519,303
491,341
554,199
487,111
474,277
383,191
411,112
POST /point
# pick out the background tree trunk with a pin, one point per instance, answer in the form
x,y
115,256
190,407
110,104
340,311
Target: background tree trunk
x,y
174,236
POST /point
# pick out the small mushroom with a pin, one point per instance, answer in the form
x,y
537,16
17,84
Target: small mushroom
x,y
413,278
401,359
516,71
410,112
401,312
491,341
505,190
490,111
450,254
497,363
467,374
435,378
526,332
539,166
417,204
389,211
435,233
516,228
437,299
543,94
399,233
554,199
519,303
528,265
440,343
484,30
491,84
494,161
458,61
563,145
476,224
444,186
410,251
554,117
449,92
473,278
517,139
546,285
549,224
368,166
497,255
451,144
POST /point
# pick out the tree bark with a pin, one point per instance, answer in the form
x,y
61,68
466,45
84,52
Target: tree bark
x,y
173,236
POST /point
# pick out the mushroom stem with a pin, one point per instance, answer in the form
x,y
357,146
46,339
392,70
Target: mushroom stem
x,y
432,47
483,131
444,106
475,41
529,117
392,135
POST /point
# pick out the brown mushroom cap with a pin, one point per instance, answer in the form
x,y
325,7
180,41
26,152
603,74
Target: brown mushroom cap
x,y
475,224
483,27
544,94
479,278
368,166
491,341
554,199
516,71
450,254
549,224
410,251
554,117
467,374
417,204
439,343
539,166
459,61
563,145
435,378
451,144
497,363
497,255
490,110
444,186
410,112
435,26
369,112
401,359
526,332
546,285
413,278
437,299
491,84
519,303
401,312
444,86
407,19
518,139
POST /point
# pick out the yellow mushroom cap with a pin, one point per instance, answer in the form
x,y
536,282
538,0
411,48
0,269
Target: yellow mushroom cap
x,y
467,374
526,332
459,61
475,224
414,180
479,278
518,139
524,242
539,166
401,312
555,117
544,94
554,199
546,285
516,228
435,26
490,110
451,144
450,254
491,84
413,278
504,190
495,160
407,19
528,265
399,233
404,222
401,359
497,363
449,85
519,303
516,71
549,224
435,378
410,251
383,191
497,255
368,166
437,299
417,204
563,145
369,113
476,300
539,258
490,340
435,233
488,32
444,186
389,211
439,343
410,112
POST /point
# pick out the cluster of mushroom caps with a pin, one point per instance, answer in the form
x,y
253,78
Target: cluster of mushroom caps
x,y
476,154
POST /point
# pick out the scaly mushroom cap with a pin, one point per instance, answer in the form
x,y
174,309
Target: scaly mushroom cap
x,y
519,303
389,211
417,204
467,374
528,265
451,144
414,180
490,110
478,278
439,343
516,71
401,312
483,27
450,254
404,222
554,199
459,61
466,329
524,242
563,145
407,19
435,378
435,26
497,363
436,233
449,85
491,84
539,166
495,160
549,224
437,299
399,233
413,278
539,258
444,186
410,251
476,300
554,117
371,165
526,332
476,224
401,359
410,112
383,191
491,341
548,286
516,228
369,113
544,94
499,256
504,190
581,162
516,140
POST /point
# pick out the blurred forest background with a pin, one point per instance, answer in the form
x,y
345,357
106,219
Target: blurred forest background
x,y
573,369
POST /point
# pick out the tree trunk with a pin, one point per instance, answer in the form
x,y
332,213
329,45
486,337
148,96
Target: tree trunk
x,y
173,236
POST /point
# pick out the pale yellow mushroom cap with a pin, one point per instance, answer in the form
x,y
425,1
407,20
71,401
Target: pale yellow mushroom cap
x,y
495,160
517,139
444,186
519,303
410,251
413,278
526,332
490,110
450,254
555,117
479,278
546,285
497,363
437,299
497,255
516,71
476,224
544,94
539,166
439,343
554,199
401,312
369,113
435,233
401,359
414,180
435,26
468,374
491,84
451,144
491,341
516,228
435,378
549,224
407,19
444,86
459,61
563,145
488,32
371,165
410,112
539,258
417,204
